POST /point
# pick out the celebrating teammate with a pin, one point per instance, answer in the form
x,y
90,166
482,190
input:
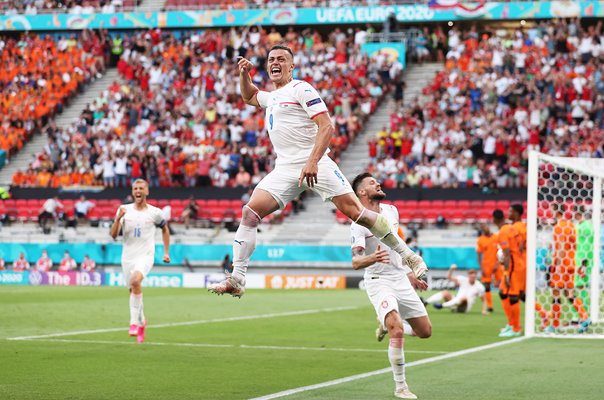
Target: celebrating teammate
x,y
138,222
486,251
469,289
390,283
300,129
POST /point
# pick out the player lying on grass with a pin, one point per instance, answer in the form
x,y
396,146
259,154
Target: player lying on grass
x,y
138,221
469,289
300,129
389,282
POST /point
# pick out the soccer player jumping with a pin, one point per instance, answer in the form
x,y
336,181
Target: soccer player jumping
x,y
138,222
300,129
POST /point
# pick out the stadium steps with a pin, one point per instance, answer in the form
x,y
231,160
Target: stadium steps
x,y
416,77
151,5
317,223
70,113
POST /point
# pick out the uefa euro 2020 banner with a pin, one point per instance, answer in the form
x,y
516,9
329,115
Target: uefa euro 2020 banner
x,y
434,10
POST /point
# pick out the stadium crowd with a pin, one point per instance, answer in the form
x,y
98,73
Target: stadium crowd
x,y
499,96
38,77
32,7
177,118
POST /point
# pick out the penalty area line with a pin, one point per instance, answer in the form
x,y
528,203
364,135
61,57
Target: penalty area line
x,y
351,378
186,323
234,346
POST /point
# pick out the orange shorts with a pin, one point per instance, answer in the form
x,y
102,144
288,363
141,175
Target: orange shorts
x,y
488,276
516,282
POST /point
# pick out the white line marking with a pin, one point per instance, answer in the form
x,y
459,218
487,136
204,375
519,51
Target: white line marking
x,y
185,323
241,346
386,370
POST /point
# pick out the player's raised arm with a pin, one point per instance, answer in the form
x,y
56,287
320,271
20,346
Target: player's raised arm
x,y
450,275
248,89
117,223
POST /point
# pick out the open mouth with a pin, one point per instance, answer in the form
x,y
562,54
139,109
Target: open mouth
x,y
275,71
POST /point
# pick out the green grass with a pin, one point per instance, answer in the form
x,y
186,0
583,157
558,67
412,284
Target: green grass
x,y
117,368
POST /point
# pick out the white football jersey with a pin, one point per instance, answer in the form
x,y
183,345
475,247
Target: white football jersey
x,y
289,120
469,291
362,237
138,228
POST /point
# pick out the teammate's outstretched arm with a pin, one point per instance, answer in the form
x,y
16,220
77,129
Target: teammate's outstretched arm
x,y
248,89
324,135
165,235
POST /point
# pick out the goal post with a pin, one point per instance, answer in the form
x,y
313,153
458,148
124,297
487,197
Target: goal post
x,y
564,288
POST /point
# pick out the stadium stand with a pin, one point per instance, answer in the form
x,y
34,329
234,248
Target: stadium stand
x,y
498,97
32,7
39,77
179,118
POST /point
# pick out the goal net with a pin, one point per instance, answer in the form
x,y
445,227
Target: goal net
x,y
565,279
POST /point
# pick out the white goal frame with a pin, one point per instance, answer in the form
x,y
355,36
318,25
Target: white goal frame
x,y
588,166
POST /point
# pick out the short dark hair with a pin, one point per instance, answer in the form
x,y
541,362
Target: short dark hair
x,y
498,215
356,182
518,208
282,47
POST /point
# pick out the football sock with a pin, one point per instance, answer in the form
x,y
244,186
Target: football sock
x,y
515,314
506,309
489,297
578,305
584,296
245,242
435,298
397,361
137,316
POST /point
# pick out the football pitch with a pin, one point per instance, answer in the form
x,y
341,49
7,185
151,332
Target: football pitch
x,y
72,343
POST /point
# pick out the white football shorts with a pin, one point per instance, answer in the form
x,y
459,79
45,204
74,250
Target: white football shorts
x,y
142,265
282,182
394,294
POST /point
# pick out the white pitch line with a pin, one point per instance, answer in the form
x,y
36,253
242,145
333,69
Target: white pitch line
x,y
185,323
240,346
386,370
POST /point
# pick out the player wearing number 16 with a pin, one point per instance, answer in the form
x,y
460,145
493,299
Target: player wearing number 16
x,y
300,130
138,221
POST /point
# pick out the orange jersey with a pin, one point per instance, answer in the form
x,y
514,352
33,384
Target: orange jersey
x,y
487,246
510,238
563,257
521,229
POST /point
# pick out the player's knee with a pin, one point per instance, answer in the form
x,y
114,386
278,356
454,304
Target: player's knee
x,y
395,332
136,280
425,332
249,217
514,299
